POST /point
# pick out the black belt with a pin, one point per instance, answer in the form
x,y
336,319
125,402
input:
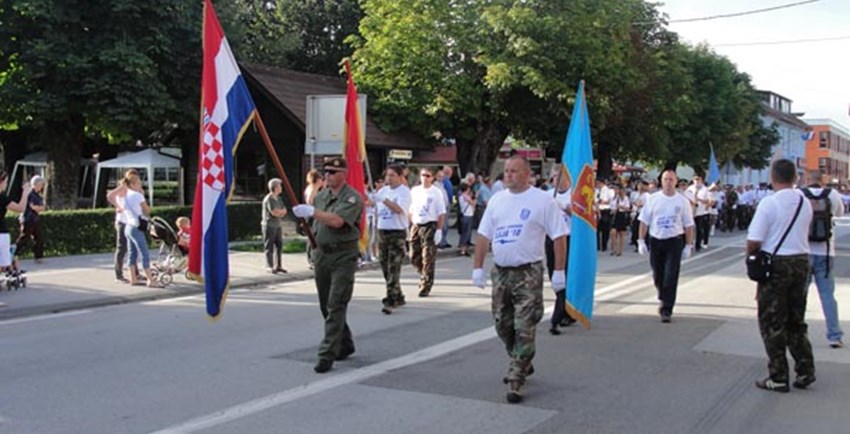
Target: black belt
x,y
521,267
339,247
391,231
426,224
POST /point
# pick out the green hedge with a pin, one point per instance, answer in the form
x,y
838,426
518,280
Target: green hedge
x,y
93,231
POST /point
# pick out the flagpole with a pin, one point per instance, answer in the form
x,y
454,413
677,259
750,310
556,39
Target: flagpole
x,y
287,186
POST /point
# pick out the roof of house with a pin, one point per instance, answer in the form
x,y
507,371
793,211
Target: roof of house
x,y
289,89
784,117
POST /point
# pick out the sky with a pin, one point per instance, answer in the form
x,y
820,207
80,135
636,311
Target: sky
x,y
815,75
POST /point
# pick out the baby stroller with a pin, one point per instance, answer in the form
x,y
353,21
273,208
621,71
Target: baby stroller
x,y
172,259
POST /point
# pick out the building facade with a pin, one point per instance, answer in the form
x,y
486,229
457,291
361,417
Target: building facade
x,y
791,145
828,150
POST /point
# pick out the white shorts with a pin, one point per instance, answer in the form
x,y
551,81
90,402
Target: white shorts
x,y
5,250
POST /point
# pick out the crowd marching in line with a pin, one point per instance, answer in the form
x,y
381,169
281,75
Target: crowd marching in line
x,y
525,222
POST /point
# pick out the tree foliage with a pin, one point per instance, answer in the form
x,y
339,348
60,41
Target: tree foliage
x,y
304,35
116,69
475,71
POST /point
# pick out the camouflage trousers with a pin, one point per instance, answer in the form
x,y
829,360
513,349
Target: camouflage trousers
x,y
781,311
423,253
517,308
392,255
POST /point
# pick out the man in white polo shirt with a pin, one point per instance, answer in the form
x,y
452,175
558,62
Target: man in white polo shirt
x,y
427,213
668,219
392,202
782,298
517,222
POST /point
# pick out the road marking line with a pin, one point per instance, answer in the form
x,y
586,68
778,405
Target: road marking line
x,y
45,317
257,405
274,400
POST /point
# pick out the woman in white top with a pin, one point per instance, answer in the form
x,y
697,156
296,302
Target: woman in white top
x,y
621,206
136,212
467,211
116,197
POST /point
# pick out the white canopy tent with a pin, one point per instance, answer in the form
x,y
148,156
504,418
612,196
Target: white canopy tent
x,y
38,161
148,159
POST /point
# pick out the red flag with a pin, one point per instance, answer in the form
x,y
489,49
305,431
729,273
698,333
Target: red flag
x,y
354,148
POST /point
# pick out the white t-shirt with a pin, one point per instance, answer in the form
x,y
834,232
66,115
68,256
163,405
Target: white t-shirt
x,y
133,207
387,219
603,198
819,247
667,216
772,218
467,207
565,202
426,204
518,223
120,217
621,204
700,194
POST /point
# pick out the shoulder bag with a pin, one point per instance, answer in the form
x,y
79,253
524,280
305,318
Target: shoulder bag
x,y
759,264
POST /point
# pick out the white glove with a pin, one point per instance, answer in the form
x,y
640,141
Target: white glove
x,y
438,236
686,252
303,211
642,247
478,278
559,280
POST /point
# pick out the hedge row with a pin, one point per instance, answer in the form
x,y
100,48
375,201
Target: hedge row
x,y
93,231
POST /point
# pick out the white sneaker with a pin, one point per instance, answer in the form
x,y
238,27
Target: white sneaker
x,y
836,344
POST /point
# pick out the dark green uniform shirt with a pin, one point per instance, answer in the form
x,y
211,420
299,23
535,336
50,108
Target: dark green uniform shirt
x,y
348,205
272,203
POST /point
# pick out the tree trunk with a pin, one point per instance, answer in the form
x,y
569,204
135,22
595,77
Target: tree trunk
x,y
604,164
478,154
63,140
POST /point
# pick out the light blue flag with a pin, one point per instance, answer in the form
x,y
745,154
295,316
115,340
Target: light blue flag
x,y
713,168
581,269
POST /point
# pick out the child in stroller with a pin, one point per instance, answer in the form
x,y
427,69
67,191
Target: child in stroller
x,y
172,259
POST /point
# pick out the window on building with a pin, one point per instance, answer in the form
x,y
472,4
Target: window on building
x,y
824,138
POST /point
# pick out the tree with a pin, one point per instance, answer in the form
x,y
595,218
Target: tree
x,y
475,71
115,68
724,113
304,35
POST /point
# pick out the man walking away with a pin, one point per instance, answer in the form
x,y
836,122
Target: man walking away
x,y
826,204
782,220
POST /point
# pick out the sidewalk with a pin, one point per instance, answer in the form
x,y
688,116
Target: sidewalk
x,y
86,281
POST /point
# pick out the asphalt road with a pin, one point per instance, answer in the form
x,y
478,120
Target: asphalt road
x,y
434,366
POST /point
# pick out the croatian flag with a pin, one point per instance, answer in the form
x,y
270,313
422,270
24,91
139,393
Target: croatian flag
x,y
226,112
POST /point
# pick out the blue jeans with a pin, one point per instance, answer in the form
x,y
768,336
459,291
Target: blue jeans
x,y
826,290
465,231
138,244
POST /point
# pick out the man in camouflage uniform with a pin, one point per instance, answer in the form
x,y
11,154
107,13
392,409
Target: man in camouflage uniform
x,y
517,222
427,213
782,298
392,202
336,214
